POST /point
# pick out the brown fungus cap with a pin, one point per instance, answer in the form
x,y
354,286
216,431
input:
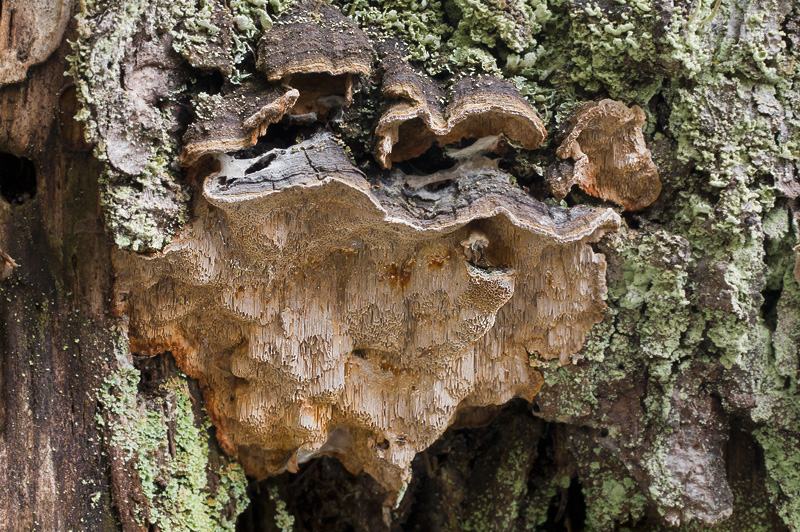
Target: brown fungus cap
x,y
314,37
611,160
478,107
315,49
233,120
484,106
417,111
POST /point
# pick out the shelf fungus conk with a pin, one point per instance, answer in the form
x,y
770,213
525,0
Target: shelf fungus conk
x,y
324,315
315,49
478,107
610,159
234,119
326,312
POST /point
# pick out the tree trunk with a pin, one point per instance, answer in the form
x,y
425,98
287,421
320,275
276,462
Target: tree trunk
x,y
380,265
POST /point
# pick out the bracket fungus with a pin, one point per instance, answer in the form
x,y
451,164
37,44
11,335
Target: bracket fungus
x,y
611,160
325,311
317,50
326,314
233,120
313,51
477,107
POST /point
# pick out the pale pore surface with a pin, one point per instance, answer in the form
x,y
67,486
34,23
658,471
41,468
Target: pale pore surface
x,y
326,314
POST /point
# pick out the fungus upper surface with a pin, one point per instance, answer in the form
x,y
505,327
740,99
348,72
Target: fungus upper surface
x,y
319,52
610,158
477,107
234,119
314,37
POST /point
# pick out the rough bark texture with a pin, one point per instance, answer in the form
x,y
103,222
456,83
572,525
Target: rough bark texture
x,y
680,409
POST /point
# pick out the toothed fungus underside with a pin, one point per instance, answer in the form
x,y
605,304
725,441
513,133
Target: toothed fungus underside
x,y
328,316
329,311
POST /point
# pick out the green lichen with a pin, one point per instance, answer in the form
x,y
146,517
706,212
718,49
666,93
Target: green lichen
x,y
683,290
778,411
652,297
421,25
251,18
145,207
283,519
508,484
170,451
783,464
611,498
196,30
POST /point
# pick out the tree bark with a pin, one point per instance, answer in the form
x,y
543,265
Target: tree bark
x,y
664,396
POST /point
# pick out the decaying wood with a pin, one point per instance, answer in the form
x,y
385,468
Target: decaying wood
x,y
361,330
611,160
54,327
329,312
30,30
336,301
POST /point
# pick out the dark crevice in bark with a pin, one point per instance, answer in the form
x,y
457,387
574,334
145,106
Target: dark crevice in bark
x,y
769,308
17,178
513,462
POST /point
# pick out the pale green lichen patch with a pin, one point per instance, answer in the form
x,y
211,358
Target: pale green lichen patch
x,y
508,485
422,25
612,497
251,18
143,197
783,464
778,411
283,519
185,488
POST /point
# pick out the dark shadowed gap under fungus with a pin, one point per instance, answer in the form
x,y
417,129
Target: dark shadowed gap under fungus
x,y
324,496
17,178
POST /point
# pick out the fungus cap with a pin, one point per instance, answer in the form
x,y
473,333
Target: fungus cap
x,y
611,159
478,107
314,37
234,119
